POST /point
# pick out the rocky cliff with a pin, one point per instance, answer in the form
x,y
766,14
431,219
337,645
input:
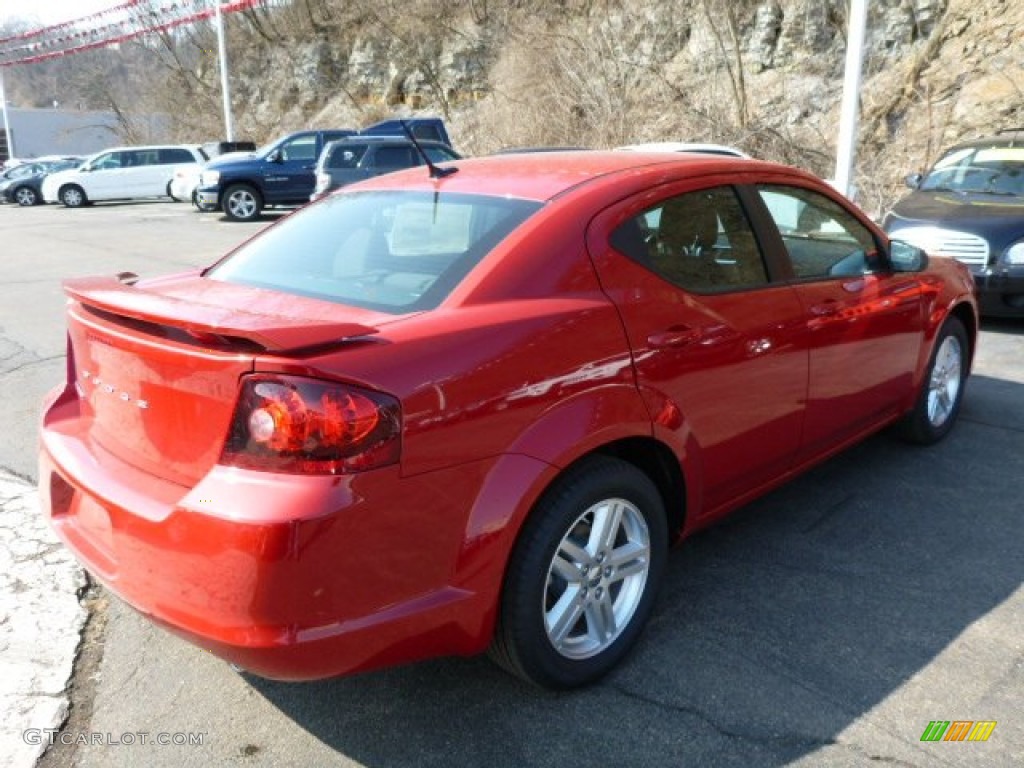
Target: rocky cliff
x,y
764,75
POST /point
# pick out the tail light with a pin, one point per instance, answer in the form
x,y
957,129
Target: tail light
x,y
300,425
323,181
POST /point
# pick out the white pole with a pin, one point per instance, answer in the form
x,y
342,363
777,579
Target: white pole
x,y
847,142
7,118
222,58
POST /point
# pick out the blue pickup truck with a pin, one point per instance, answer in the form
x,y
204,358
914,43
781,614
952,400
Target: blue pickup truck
x,y
284,171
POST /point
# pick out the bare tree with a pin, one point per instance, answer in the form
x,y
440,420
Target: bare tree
x,y
731,52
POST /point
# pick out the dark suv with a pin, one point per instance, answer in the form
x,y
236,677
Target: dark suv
x,y
355,158
970,206
283,173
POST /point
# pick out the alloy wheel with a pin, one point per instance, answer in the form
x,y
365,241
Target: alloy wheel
x,y
596,579
242,204
25,196
944,385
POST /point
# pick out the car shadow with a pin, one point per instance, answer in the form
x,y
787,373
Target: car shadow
x,y
264,217
1011,326
830,606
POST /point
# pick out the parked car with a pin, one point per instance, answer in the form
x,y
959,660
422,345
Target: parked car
x,y
186,178
121,173
683,146
281,173
20,171
434,415
354,158
24,184
15,170
284,172
970,207
535,149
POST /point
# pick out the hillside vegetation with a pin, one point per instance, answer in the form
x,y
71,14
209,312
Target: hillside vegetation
x,y
763,75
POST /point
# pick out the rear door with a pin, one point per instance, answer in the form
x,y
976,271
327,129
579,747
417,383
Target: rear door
x,y
715,339
863,323
145,175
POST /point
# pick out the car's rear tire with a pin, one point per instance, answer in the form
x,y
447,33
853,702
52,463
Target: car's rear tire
x,y
73,196
25,196
242,202
170,194
583,575
942,390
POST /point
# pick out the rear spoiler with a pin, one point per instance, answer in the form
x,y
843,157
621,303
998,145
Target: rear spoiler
x,y
272,332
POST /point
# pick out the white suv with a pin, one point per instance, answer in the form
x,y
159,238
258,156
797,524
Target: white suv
x,y
121,173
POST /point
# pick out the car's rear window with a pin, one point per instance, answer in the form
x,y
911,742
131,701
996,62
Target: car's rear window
x,y
392,251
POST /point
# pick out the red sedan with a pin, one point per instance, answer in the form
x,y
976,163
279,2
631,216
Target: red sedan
x,y
443,414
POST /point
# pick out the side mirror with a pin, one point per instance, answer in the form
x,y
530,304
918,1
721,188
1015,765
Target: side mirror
x,y
905,257
274,156
913,180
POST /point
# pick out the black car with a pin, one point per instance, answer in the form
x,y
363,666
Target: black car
x,y
354,158
23,184
970,206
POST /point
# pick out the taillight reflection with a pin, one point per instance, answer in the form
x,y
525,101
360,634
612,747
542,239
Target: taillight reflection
x,y
295,424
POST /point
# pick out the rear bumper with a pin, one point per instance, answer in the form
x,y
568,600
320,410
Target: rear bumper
x,y
182,189
1000,294
290,577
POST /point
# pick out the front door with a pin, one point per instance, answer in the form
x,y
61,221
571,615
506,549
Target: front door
x,y
863,323
107,176
291,175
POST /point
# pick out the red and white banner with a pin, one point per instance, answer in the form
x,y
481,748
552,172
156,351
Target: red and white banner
x,y
114,25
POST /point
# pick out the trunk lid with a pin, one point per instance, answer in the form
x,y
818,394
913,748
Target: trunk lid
x,y
157,365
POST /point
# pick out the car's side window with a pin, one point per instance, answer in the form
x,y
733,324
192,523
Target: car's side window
x,y
109,161
822,238
394,157
299,148
429,132
347,156
700,241
175,155
438,154
141,157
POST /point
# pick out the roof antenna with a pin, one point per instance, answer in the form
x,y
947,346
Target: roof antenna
x,y
435,172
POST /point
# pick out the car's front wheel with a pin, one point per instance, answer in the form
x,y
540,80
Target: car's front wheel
x,y
582,577
242,203
942,390
73,196
25,196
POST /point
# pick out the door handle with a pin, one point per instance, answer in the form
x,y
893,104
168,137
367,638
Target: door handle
x,y
674,337
828,308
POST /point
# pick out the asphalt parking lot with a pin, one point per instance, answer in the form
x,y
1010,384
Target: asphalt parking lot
x,y
826,624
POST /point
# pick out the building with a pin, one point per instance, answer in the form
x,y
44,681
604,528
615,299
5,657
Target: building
x,y
37,132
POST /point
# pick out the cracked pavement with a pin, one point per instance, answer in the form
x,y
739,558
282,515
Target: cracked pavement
x,y
41,619
823,625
